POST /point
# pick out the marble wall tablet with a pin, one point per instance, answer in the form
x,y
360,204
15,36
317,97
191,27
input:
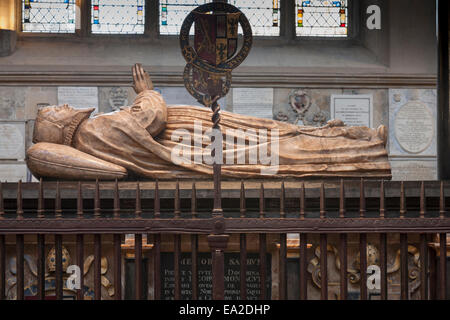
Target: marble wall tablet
x,y
256,102
354,110
13,172
180,96
12,140
414,170
412,117
79,97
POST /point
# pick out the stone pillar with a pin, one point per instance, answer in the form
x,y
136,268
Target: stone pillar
x,y
7,42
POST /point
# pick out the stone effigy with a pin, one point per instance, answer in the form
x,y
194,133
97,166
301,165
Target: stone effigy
x,y
152,140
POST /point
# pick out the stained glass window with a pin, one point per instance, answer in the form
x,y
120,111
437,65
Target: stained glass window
x,y
322,18
55,16
118,16
263,15
173,12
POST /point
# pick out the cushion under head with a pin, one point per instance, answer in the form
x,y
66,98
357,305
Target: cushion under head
x,y
49,160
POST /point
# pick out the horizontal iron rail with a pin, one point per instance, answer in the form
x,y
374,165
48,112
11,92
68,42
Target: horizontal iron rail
x,y
230,189
224,225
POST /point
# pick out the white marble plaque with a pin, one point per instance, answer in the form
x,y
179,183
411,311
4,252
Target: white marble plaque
x,y
412,116
79,97
414,170
256,102
414,127
180,96
354,110
12,140
12,172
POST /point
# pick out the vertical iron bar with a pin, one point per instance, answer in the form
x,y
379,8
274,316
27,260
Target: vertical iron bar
x,y
303,266
41,266
243,266
40,210
343,263
262,266
363,265
422,200
80,261
282,196
20,267
443,118
194,201
176,263
382,200
322,201
423,267
138,212
59,267
116,210
97,266
194,271
283,267
433,273
218,243
383,267
323,267
157,203
157,265
404,266
97,200
177,200
19,211
117,267
342,200
402,200
242,200
80,201
261,201
443,266
138,265
58,211
2,206
442,201
302,201
362,199
2,267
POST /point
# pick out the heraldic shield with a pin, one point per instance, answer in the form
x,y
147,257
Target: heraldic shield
x,y
215,41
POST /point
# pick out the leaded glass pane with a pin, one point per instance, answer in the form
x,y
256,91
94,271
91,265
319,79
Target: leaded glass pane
x,y
173,12
55,16
118,16
263,15
322,18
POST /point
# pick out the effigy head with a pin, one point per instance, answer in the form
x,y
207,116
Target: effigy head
x,y
57,124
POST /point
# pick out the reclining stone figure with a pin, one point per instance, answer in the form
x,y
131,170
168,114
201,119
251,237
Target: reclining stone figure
x,y
147,140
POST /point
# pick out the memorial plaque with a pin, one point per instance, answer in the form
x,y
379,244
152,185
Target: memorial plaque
x,y
231,277
13,172
414,127
354,110
414,170
180,96
12,140
412,114
79,97
256,102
